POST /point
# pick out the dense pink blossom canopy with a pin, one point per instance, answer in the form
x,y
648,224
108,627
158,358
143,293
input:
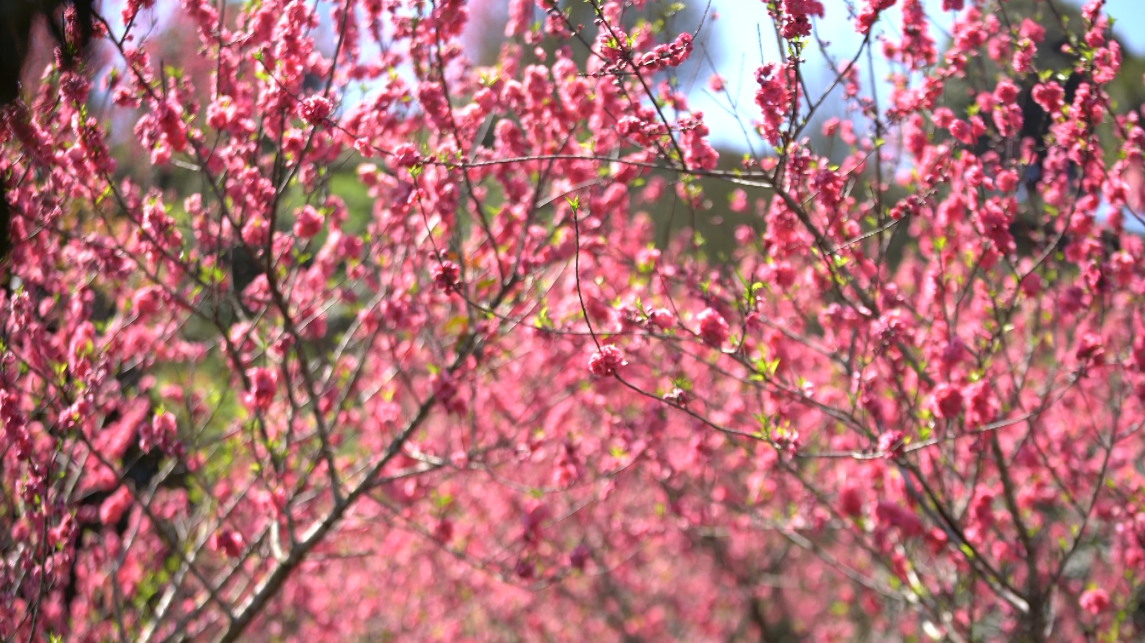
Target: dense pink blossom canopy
x,y
315,328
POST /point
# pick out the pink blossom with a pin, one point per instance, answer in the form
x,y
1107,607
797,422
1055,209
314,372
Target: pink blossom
x,y
676,396
112,509
893,515
851,500
1095,601
446,275
947,400
772,99
148,300
263,383
405,155
797,14
161,433
1090,349
307,223
606,361
713,329
1049,96
315,109
982,406
871,12
579,557
406,343
663,318
891,443
226,541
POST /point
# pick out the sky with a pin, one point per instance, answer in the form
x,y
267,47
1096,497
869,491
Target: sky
x,y
732,44
733,38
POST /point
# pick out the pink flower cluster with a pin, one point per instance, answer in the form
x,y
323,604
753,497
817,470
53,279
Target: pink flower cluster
x,y
323,323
